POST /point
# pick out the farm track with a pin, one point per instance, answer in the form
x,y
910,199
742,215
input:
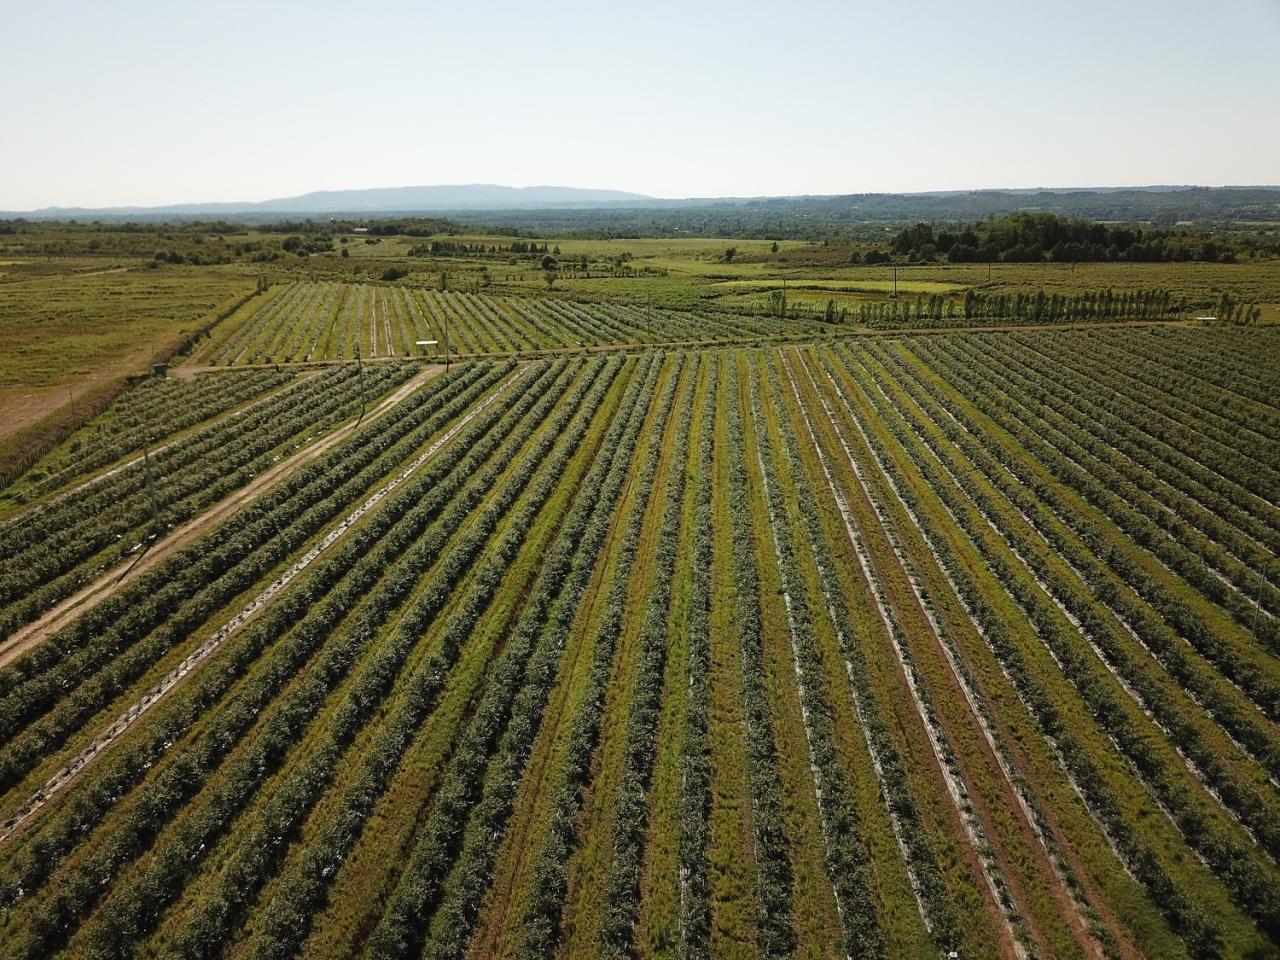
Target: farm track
x,y
27,637
58,495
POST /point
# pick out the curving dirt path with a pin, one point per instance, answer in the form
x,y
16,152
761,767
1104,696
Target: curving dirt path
x,y
110,581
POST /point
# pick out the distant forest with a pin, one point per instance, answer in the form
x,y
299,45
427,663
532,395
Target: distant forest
x,y
1037,237
857,218
863,217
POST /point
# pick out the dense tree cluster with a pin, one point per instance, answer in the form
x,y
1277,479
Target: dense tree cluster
x,y
1037,237
453,248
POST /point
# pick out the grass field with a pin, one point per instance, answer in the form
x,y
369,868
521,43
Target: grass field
x,y
877,646
72,331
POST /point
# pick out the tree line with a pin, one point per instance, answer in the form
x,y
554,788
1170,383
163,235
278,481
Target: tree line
x,y
1040,237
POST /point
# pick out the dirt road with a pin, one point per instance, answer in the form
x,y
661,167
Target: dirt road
x,y
110,581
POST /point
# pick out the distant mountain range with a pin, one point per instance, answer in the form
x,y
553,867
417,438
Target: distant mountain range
x,y
573,207
469,196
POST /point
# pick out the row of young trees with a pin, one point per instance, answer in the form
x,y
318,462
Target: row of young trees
x,y
75,674
460,248
1116,578
1172,399
58,548
775,934
695,762
272,319
1220,848
1075,753
1221,358
421,907
916,631
1040,307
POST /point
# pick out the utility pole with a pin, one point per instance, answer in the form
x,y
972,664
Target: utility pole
x,y
1257,605
360,372
446,341
151,487
895,281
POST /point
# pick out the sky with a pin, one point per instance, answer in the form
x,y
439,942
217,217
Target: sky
x,y
145,103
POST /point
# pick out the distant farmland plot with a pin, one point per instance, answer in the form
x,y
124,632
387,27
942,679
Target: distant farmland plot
x,y
328,321
881,646
850,285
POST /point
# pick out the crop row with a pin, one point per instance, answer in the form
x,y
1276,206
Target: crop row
x,y
75,674
314,626
62,547
331,321
1075,663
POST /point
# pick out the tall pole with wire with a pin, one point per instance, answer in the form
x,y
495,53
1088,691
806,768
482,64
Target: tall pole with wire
x,y
151,487
360,373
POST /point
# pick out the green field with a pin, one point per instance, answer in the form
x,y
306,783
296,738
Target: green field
x,y
655,483
878,646
659,624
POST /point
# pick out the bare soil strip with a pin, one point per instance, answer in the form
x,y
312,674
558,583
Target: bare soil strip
x,y
105,585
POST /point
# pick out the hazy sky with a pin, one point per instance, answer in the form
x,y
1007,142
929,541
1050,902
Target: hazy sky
x,y
150,103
